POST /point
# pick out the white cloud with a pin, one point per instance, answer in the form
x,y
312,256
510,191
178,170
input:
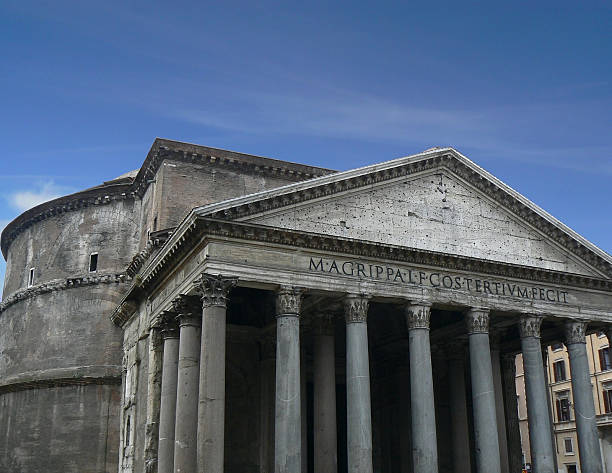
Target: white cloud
x,y
23,200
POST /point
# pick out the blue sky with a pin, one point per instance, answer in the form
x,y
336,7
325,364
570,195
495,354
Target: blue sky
x,y
522,88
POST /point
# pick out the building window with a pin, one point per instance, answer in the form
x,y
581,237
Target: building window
x,y
556,346
93,262
559,370
604,359
607,397
563,406
31,277
569,446
571,468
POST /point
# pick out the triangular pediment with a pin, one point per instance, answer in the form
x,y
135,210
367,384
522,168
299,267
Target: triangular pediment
x,y
436,201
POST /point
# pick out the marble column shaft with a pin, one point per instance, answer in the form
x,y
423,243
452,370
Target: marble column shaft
x,y
186,424
155,365
358,402
584,407
213,291
288,429
424,439
483,393
540,437
499,407
167,409
267,395
515,455
458,408
325,441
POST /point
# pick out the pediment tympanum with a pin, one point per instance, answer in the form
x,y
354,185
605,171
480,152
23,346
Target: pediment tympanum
x,y
436,201
435,212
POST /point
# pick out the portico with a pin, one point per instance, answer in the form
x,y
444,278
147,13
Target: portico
x,y
387,353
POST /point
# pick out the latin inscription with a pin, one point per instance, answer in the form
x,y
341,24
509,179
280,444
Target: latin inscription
x,y
436,279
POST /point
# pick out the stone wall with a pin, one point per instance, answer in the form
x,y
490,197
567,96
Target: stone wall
x,y
60,355
68,429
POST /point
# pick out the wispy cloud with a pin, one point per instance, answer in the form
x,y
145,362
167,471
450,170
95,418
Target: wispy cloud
x,y
25,199
342,115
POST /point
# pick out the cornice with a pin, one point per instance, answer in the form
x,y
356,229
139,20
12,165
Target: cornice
x,y
449,159
156,241
70,376
161,150
201,227
60,285
101,195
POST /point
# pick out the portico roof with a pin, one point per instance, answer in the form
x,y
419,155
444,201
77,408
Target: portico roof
x,y
242,214
242,208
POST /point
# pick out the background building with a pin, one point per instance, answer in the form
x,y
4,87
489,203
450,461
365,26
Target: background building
x,y
561,402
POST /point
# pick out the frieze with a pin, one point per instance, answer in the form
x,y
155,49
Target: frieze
x,y
288,301
356,308
418,316
435,279
529,326
213,290
366,249
477,321
575,332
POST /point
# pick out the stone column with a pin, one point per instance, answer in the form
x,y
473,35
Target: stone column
x,y
584,408
288,427
325,448
424,440
358,404
167,408
515,454
499,404
155,350
186,423
483,393
266,416
213,291
540,438
549,403
304,401
458,408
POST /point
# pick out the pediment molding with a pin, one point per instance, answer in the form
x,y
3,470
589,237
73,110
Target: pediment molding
x,y
446,160
208,227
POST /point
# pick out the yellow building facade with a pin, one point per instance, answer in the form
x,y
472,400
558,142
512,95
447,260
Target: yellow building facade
x,y
561,402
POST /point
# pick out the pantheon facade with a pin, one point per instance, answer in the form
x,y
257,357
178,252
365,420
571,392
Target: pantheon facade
x,y
249,315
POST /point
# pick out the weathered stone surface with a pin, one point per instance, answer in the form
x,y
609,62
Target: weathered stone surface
x,y
38,429
416,214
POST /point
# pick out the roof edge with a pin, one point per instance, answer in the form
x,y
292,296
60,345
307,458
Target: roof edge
x,y
126,187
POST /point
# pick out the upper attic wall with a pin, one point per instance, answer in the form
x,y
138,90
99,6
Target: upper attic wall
x,y
180,187
60,246
142,186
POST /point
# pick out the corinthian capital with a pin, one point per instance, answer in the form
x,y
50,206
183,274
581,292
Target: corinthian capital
x,y
213,290
529,326
288,301
356,308
477,320
418,315
186,307
575,331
